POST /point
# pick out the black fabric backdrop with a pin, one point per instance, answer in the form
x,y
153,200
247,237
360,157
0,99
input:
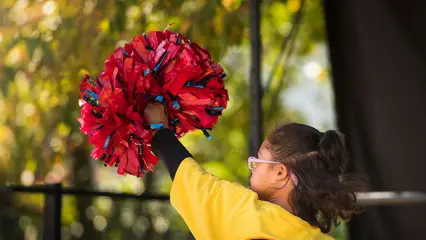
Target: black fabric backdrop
x,y
378,56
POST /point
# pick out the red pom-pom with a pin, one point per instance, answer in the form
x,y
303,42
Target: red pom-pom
x,y
157,66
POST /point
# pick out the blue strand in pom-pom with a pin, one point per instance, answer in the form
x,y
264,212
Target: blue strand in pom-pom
x,y
207,134
214,111
200,84
146,72
159,99
155,98
91,81
107,141
175,121
160,62
126,54
157,126
92,94
140,157
192,84
176,104
205,80
96,113
223,75
216,108
90,101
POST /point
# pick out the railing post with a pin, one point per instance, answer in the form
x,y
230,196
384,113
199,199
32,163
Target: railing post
x,y
52,212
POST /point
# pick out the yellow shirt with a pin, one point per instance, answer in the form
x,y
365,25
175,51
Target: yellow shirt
x,y
215,209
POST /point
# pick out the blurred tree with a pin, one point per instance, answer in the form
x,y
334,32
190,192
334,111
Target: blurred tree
x,y
47,46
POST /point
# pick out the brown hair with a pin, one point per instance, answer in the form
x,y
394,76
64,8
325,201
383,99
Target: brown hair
x,y
325,193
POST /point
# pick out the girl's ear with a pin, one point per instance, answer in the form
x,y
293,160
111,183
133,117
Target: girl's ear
x,y
281,172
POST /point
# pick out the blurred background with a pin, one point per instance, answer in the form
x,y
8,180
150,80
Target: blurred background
x,y
47,46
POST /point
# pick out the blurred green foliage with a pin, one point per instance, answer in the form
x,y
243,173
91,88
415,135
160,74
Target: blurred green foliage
x,y
47,46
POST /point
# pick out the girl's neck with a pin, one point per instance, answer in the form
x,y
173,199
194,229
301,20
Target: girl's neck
x,y
281,199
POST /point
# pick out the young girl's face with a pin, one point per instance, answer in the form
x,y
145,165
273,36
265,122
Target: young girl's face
x,y
263,176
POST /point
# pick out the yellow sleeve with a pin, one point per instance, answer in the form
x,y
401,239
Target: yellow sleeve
x,y
219,209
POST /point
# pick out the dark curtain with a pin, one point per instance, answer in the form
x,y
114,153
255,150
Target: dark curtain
x,y
378,57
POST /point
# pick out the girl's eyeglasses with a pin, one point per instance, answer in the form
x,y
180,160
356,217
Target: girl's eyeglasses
x,y
252,162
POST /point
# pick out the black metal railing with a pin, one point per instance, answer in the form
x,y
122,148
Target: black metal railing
x,y
55,192
53,202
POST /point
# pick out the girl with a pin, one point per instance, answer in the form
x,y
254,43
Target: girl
x,y
298,187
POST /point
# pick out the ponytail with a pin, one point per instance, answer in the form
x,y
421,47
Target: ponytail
x,y
333,151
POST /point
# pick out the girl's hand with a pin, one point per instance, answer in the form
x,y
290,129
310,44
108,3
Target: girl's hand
x,y
156,113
